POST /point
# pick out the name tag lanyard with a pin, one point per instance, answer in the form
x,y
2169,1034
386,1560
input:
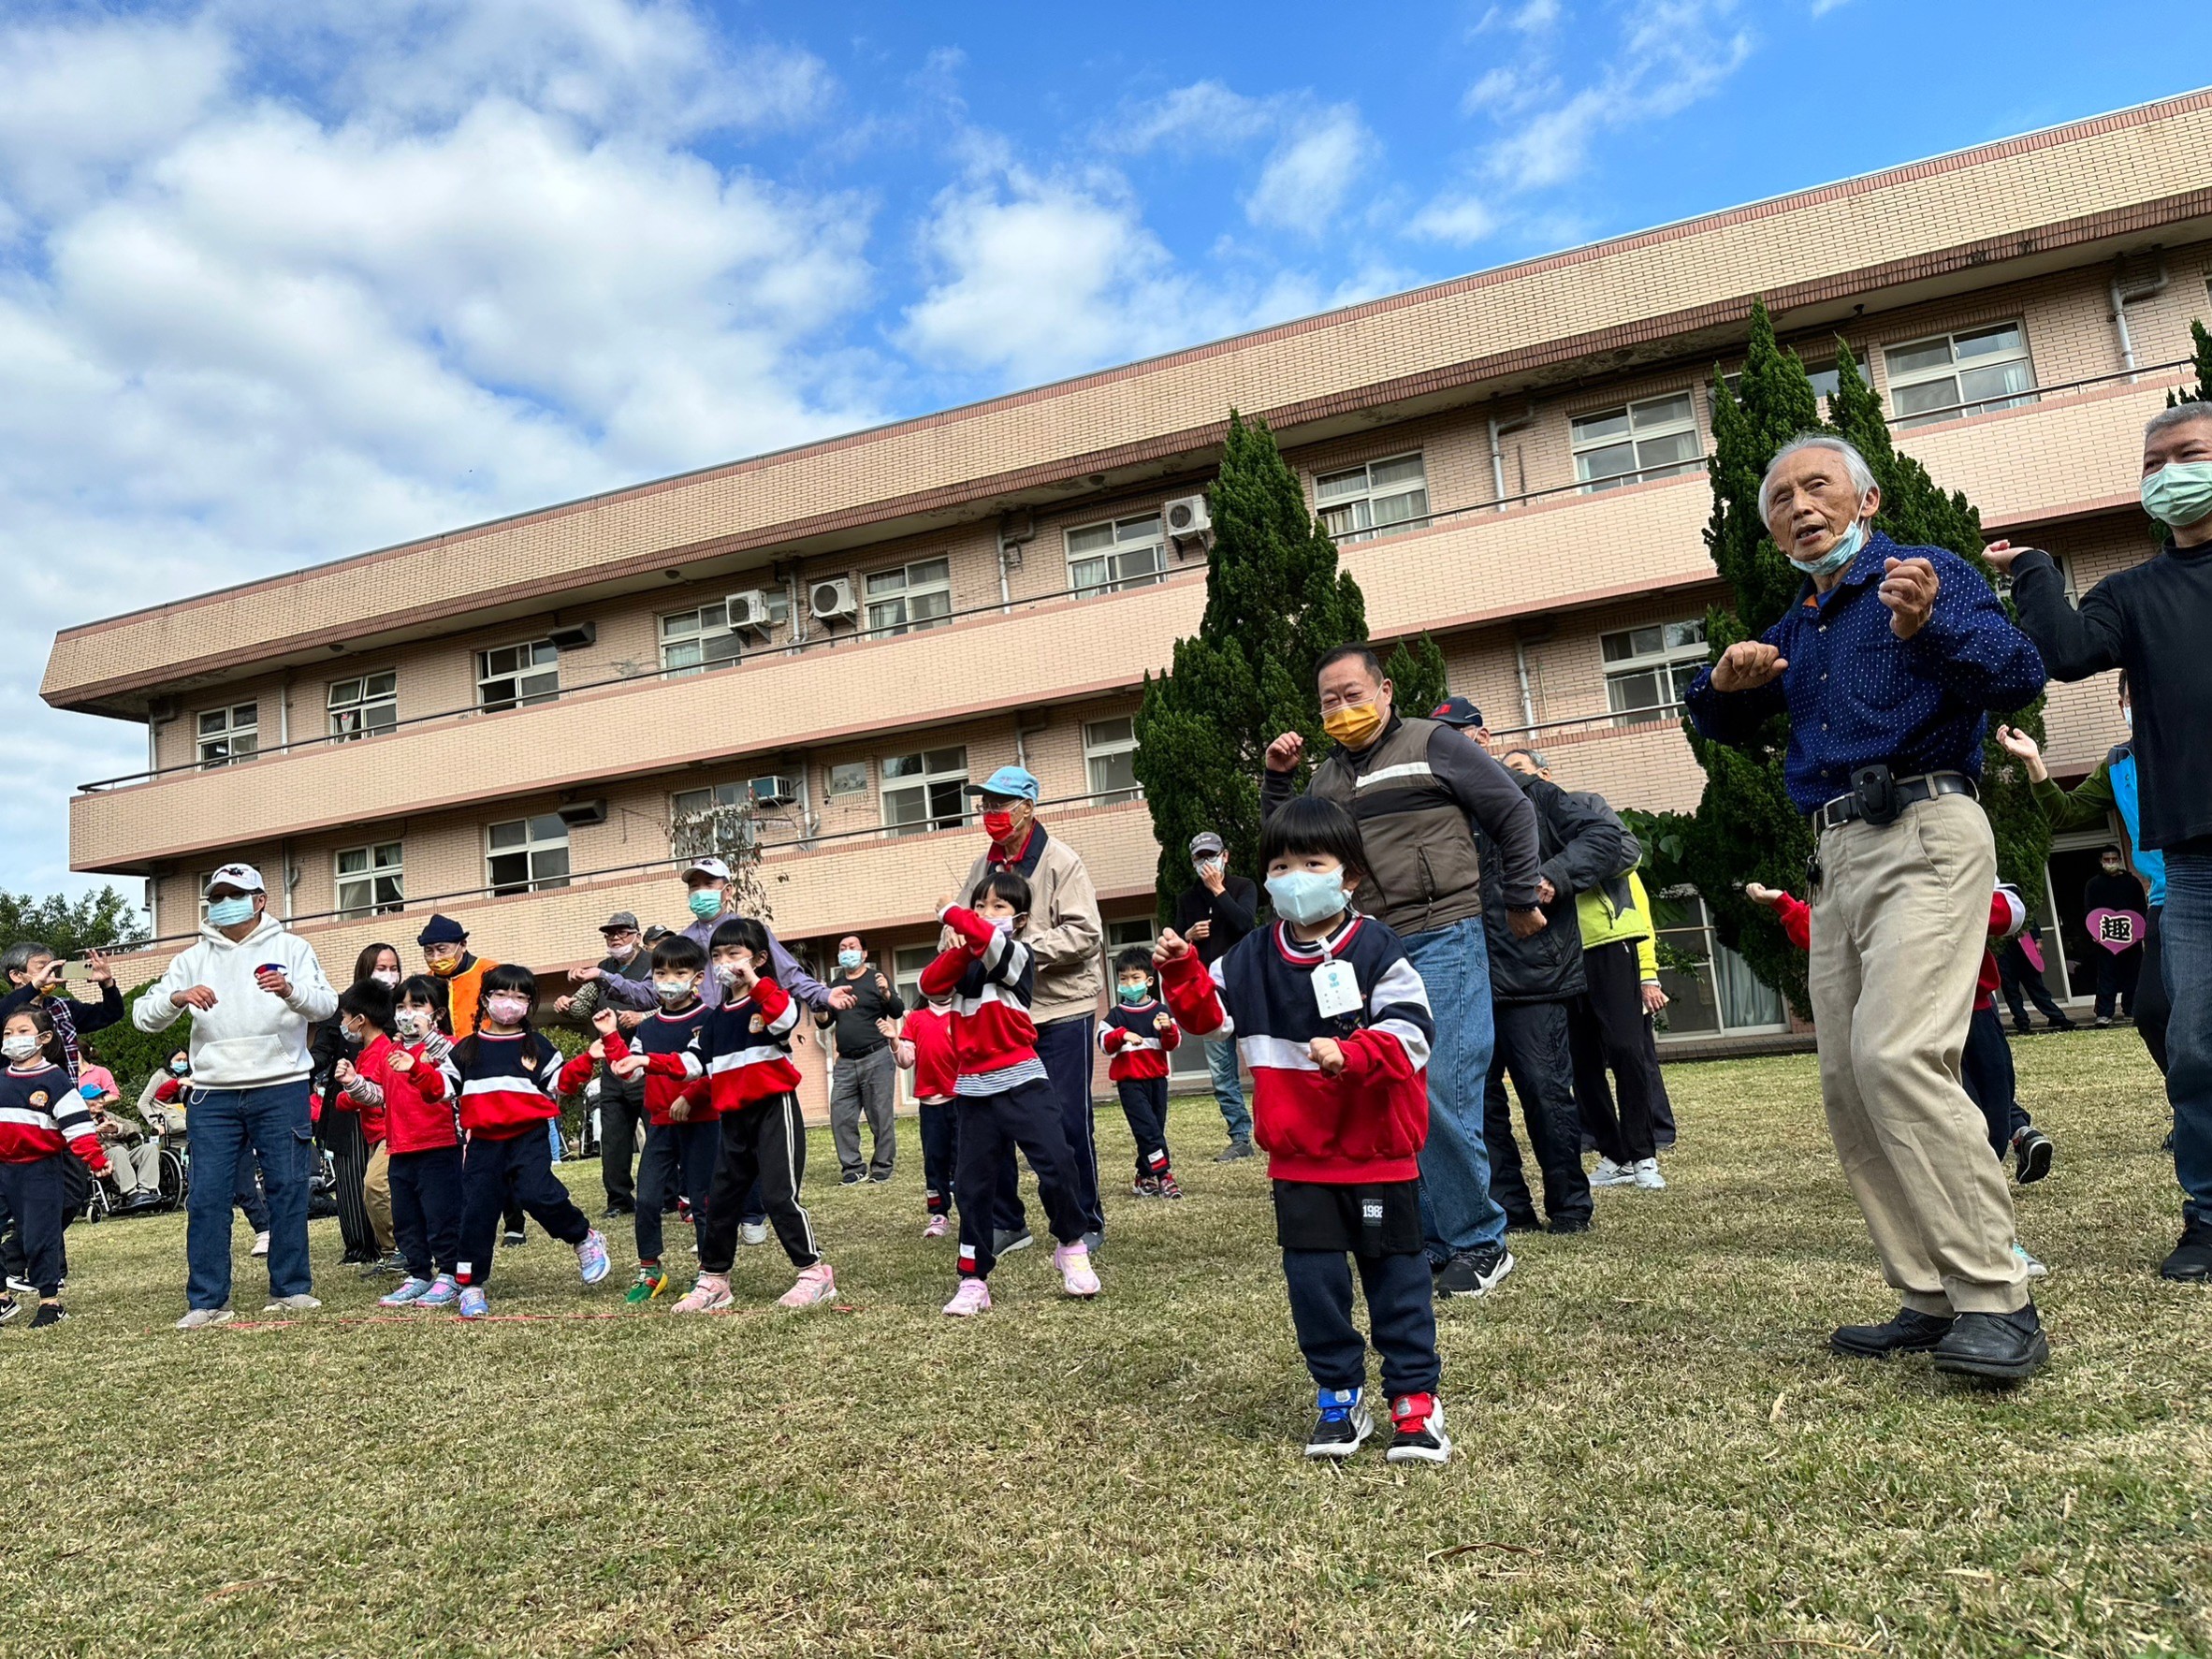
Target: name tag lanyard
x,y
1336,987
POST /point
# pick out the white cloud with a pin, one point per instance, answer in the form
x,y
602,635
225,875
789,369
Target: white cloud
x,y
1205,114
1318,151
1306,181
1454,218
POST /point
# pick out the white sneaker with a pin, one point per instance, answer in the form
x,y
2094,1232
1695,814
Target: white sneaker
x,y
1645,1173
973,1296
753,1232
1077,1278
2028,1264
199,1318
260,1244
301,1304
1610,1174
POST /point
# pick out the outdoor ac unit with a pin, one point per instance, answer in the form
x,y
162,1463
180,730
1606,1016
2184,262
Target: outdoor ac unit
x,y
832,598
575,638
1187,515
749,610
775,790
575,814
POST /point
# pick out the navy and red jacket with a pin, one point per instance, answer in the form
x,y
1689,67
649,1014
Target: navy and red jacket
x,y
665,1035
1129,1033
991,977
937,1068
41,1113
506,1082
1367,1124
421,1104
742,1049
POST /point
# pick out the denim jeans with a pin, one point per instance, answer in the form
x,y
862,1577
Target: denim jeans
x,y
2185,934
1228,1093
219,1128
1457,1211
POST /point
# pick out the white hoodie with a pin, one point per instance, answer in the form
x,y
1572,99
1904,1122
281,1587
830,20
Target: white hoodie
x,y
249,1038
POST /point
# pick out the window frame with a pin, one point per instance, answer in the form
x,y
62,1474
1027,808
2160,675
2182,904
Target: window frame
x,y
908,591
374,875
1642,472
1353,501
1094,752
1669,661
1116,580
932,818
333,712
1959,407
530,669
227,735
527,850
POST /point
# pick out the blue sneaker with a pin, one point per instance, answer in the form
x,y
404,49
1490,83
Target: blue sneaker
x,y
474,1305
591,1261
411,1290
1343,1426
442,1292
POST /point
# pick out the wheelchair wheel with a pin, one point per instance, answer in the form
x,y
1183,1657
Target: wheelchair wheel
x,y
176,1178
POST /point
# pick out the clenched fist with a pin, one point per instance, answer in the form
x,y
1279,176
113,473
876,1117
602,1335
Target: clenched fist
x,y
1747,665
1286,751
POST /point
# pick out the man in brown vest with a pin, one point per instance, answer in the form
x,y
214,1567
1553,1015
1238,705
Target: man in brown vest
x,y
1416,788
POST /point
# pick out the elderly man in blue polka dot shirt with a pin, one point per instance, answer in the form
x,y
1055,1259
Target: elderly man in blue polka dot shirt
x,y
1887,668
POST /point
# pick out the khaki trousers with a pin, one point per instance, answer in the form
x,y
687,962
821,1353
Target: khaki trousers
x,y
376,1191
1898,928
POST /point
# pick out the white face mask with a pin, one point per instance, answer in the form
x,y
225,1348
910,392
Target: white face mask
x,y
18,1047
2128,714
410,1023
385,975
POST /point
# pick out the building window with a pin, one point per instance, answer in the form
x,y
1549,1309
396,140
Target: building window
x,y
1648,670
1357,503
907,963
1714,991
692,642
925,791
911,597
1107,558
517,674
1824,377
369,879
1654,439
363,707
848,777
527,855
1954,375
688,801
227,735
1109,755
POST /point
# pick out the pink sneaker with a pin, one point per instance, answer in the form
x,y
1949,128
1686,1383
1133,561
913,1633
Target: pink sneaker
x,y
972,1298
938,1226
816,1285
1076,1277
710,1295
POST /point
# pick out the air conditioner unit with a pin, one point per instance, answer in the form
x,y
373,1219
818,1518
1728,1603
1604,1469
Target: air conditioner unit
x,y
775,790
749,610
1187,515
574,638
828,600
575,814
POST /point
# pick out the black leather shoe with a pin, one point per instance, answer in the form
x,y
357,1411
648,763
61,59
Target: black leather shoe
x,y
1909,1333
1570,1224
2191,1261
1523,1223
2005,1348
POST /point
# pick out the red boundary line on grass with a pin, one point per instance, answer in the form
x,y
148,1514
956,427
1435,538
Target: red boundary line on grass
x,y
403,1318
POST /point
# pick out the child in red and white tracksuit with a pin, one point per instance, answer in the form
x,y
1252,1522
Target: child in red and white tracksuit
x,y
416,1092
1139,1034
44,1122
925,1047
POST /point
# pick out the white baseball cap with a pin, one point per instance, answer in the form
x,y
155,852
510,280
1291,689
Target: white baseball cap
x,y
243,877
709,866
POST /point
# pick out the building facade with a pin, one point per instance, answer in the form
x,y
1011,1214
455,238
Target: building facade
x,y
512,722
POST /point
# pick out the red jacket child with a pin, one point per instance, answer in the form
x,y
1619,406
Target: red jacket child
x,y
991,977
2008,915
663,1033
415,1100
742,1049
1139,1046
929,1031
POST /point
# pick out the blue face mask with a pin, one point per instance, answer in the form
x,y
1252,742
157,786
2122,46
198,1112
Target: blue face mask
x,y
1307,897
1846,548
1136,993
705,903
229,912
848,960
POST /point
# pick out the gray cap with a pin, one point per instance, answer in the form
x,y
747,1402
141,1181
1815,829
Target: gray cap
x,y
1204,843
618,922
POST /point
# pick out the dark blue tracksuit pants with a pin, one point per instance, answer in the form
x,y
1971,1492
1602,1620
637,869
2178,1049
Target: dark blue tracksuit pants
x,y
678,1158
426,1209
1986,1070
1065,1047
940,1153
517,1169
1400,1307
991,1127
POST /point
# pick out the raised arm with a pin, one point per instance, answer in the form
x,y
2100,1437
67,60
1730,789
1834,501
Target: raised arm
x,y
2075,644
1969,644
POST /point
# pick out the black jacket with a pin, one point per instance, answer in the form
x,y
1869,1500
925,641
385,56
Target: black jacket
x,y
1581,843
1234,912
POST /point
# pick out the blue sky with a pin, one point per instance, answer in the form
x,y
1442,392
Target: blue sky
x,y
281,280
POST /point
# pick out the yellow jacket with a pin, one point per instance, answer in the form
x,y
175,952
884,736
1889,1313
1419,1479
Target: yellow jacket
x,y
1602,925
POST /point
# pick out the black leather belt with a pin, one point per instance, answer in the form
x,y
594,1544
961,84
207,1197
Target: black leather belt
x,y
1906,792
862,1054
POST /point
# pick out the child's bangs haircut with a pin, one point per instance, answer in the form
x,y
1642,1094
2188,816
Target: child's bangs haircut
x,y
426,991
507,980
1305,826
680,953
1136,960
50,1039
1006,883
370,1000
744,933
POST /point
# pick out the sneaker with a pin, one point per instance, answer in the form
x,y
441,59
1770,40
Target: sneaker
x,y
2029,1265
1647,1175
509,1240
852,1178
1419,1423
1074,1264
972,1298
1170,1187
815,1285
878,1177
591,1262
1610,1174
394,1263
1233,1151
938,1227
1522,1223
2032,1152
1006,1241
50,1313
1569,1224
710,1295
2191,1262
260,1244
1475,1272
199,1318
752,1232
474,1305
442,1292
1094,1242
1144,1186
22,1287
9,1307
1343,1426
617,1207
411,1290
2103,1022
301,1304
649,1283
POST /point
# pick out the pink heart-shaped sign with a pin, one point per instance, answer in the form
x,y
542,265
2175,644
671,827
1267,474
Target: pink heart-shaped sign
x,y
2115,930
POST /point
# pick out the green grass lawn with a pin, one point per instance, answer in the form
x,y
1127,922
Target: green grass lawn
x,y
1657,1454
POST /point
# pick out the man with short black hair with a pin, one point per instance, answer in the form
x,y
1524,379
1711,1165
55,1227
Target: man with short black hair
x,y
864,1079
1213,913
621,1100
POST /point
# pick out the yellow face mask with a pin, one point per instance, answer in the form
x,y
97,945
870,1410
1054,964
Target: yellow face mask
x,y
1354,724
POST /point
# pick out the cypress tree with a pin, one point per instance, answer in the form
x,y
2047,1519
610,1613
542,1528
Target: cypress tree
x,y
1414,669
1276,604
2201,342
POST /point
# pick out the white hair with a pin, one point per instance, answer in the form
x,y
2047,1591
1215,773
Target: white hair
x,y
1862,475
2181,415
